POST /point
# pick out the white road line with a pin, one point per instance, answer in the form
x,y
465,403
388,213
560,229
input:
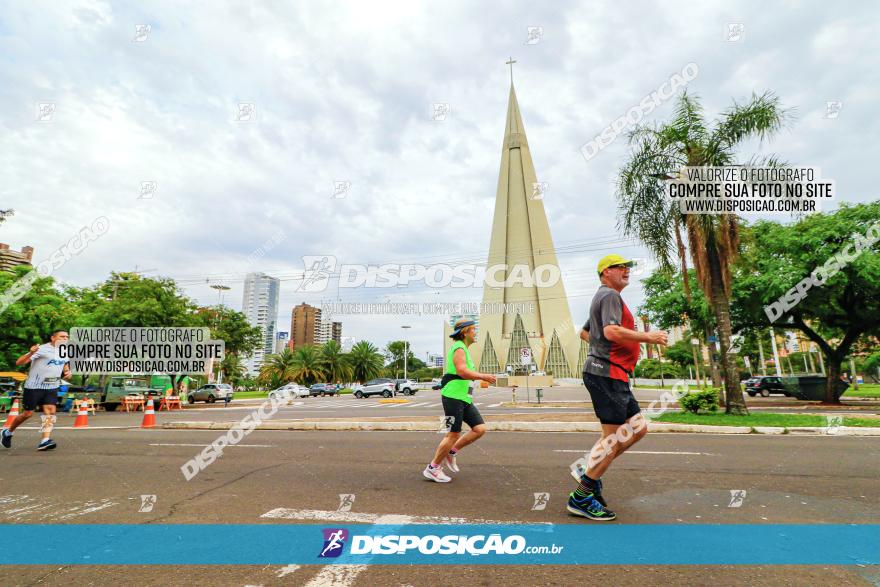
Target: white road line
x,y
286,570
362,517
434,405
204,445
493,406
651,452
420,404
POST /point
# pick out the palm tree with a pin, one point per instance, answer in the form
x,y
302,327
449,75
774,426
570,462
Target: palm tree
x,y
713,240
278,369
308,367
232,367
366,361
335,362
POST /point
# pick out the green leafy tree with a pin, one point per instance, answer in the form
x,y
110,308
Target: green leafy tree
x,y
712,239
366,361
131,300
680,353
335,362
239,337
278,369
394,352
30,320
834,315
308,364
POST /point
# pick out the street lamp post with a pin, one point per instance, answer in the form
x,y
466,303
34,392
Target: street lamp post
x,y
405,352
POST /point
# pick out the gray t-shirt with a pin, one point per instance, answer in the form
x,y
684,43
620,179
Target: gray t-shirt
x,y
606,358
46,368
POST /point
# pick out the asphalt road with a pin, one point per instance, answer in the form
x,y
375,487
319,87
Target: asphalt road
x,y
98,476
427,403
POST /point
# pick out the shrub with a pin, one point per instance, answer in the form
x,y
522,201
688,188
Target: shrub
x,y
706,400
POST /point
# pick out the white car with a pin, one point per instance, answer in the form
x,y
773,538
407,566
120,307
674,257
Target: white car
x,y
289,391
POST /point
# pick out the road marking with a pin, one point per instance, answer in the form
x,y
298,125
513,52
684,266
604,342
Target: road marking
x,y
421,404
493,406
362,517
204,445
286,570
18,507
651,452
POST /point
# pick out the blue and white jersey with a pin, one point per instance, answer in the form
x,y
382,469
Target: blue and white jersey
x,y
46,368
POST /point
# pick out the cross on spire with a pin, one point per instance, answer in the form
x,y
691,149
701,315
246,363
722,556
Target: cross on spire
x,y
510,63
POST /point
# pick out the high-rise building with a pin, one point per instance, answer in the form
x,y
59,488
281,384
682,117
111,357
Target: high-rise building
x,y
260,306
280,341
305,324
10,258
521,242
336,332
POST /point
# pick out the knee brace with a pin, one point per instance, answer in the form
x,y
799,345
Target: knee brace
x,y
48,423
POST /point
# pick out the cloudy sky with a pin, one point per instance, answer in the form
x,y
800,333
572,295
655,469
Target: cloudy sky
x,y
343,92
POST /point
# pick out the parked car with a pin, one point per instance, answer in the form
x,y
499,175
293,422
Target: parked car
x,y
765,385
289,391
210,393
383,387
405,386
323,389
121,386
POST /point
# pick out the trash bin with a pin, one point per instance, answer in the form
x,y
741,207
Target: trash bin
x,y
811,387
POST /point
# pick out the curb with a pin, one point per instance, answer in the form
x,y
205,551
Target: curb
x,y
525,427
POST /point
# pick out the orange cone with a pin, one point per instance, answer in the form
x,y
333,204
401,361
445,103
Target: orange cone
x,y
12,414
149,416
82,417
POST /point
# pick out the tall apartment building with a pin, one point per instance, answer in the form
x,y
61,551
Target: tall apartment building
x,y
281,340
305,322
10,258
260,306
308,327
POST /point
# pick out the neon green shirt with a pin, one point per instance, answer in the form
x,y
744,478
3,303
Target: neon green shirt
x,y
460,388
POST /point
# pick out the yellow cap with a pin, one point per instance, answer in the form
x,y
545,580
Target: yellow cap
x,y
613,259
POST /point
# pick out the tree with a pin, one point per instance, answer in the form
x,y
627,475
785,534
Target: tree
x,y
712,239
366,361
128,299
681,353
394,351
278,369
335,362
239,337
839,298
30,320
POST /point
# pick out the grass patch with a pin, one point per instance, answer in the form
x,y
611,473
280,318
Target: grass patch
x,y
761,419
864,390
250,395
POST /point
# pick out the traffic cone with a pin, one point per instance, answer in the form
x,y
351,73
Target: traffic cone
x,y
149,416
82,417
13,413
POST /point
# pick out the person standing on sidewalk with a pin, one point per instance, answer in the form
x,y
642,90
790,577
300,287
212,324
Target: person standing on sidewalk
x,y
614,351
458,405
41,388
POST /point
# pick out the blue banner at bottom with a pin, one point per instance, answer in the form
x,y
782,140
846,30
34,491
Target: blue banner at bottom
x,y
428,544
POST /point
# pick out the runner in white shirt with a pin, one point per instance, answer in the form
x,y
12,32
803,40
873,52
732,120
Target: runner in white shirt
x,y
41,388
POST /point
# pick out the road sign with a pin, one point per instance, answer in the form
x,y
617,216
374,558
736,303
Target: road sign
x,y
525,356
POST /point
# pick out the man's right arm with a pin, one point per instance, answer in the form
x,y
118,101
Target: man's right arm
x,y
619,334
25,358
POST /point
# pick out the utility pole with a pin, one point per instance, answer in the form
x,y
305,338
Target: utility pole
x,y
405,352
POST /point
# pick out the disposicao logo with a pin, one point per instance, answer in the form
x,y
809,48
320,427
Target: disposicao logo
x,y
334,541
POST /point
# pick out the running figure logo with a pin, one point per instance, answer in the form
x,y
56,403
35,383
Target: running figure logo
x,y
147,503
334,541
318,269
541,500
346,500
737,497
446,424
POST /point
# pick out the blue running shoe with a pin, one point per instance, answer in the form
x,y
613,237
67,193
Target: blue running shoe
x,y
6,438
47,444
589,507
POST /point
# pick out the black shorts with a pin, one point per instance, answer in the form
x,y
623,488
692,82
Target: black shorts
x,y
613,400
38,397
457,411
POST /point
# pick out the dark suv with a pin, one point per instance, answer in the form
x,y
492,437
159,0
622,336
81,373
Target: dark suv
x,y
323,389
765,386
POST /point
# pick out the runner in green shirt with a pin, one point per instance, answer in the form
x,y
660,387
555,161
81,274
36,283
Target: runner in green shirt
x,y
458,405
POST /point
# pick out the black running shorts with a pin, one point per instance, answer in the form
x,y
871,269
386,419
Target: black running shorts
x,y
458,411
31,398
613,400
